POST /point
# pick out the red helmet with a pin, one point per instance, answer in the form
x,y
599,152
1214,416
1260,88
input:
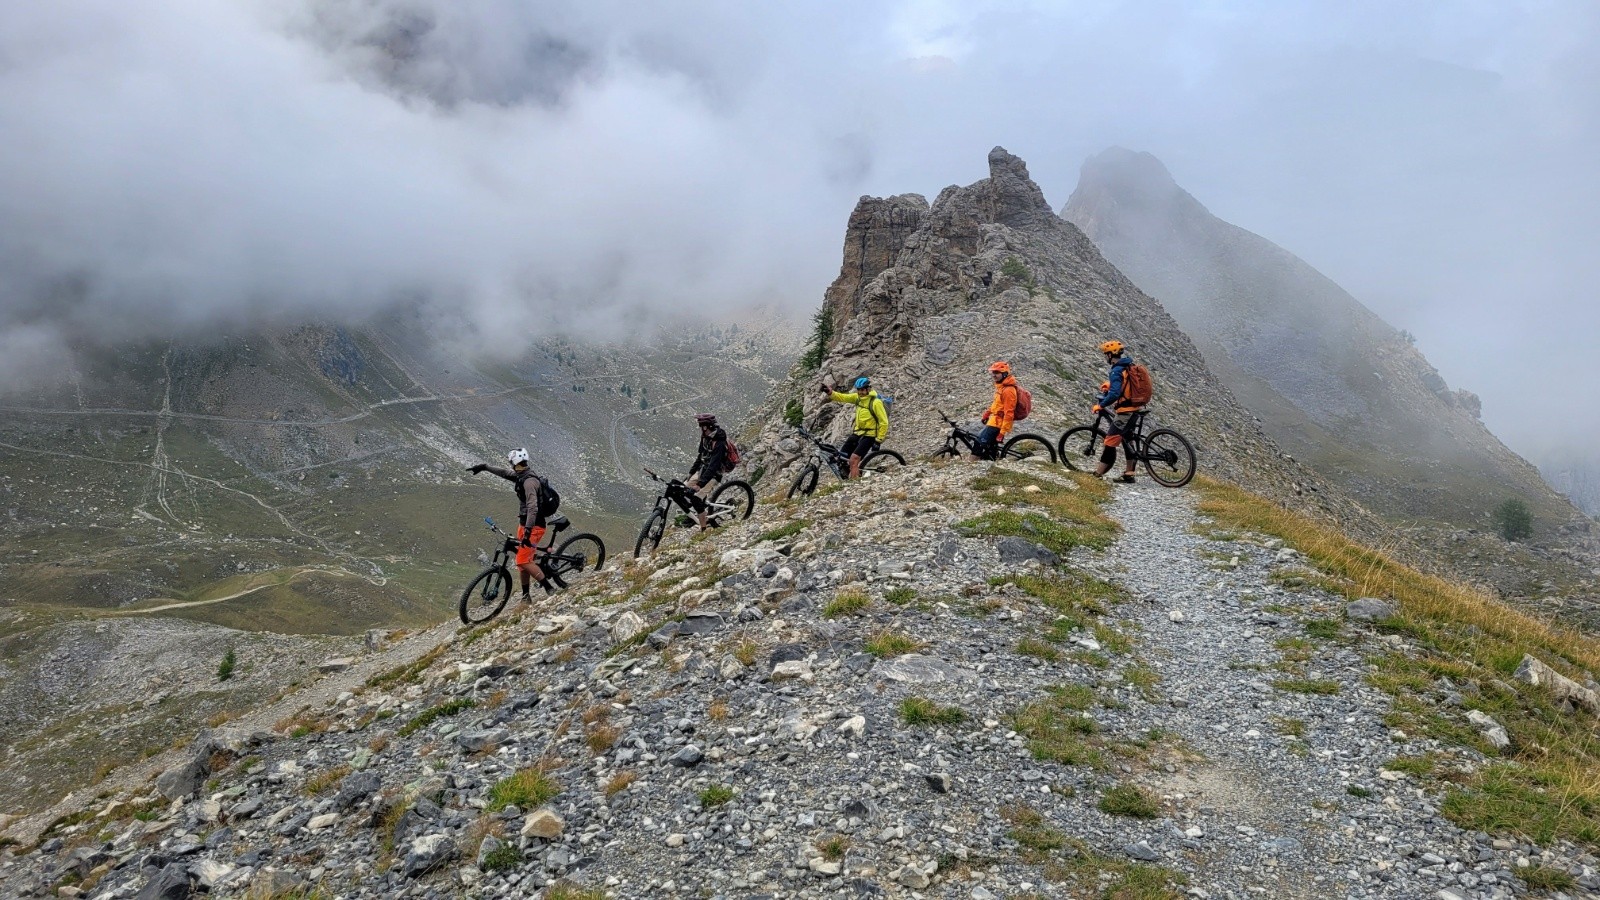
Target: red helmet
x,y
705,419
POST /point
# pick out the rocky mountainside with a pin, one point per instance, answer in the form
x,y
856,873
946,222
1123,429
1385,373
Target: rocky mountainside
x,y
1333,383
930,294
1575,477
278,494
889,691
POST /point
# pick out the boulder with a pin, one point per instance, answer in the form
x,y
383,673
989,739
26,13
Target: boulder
x,y
356,787
915,668
171,883
626,627
1369,609
427,853
700,623
1017,551
1532,671
543,823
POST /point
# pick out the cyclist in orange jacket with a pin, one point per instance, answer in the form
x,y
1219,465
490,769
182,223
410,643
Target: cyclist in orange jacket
x,y
998,418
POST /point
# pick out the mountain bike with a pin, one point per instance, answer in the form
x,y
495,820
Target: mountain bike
x,y
486,595
731,501
1025,446
879,460
1166,454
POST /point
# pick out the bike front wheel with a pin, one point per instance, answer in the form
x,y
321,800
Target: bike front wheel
x,y
650,534
735,494
485,595
804,483
1168,457
880,461
579,554
1079,448
1028,447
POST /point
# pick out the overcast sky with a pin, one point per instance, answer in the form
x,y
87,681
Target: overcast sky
x,y
176,165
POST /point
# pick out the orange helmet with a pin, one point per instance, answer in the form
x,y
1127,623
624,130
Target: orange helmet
x,y
1111,347
1001,366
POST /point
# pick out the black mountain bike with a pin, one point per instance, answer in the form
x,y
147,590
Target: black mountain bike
x,y
879,460
1166,454
731,501
486,595
1023,446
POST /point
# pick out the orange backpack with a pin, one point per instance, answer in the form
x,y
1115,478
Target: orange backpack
x,y
1137,386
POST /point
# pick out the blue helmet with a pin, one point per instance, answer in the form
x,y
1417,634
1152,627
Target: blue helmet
x,y
862,382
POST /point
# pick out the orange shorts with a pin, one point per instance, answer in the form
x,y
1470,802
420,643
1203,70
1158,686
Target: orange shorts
x,y
525,554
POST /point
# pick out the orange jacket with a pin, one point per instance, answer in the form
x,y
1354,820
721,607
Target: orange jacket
x,y
1004,407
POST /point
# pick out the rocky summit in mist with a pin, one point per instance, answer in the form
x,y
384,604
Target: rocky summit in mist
x,y
1333,383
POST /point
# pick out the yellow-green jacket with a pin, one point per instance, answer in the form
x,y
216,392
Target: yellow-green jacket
x,y
872,417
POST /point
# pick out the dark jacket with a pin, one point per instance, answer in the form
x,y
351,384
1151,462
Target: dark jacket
x,y
713,456
527,486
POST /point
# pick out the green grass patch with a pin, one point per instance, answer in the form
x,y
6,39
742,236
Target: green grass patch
x,y
787,529
1030,828
1038,649
847,602
502,858
1417,766
1290,727
1077,515
1142,677
1324,629
1356,790
408,673
566,890
1307,685
1545,878
1130,800
1112,640
922,711
1056,730
525,789
434,713
886,643
715,796
900,596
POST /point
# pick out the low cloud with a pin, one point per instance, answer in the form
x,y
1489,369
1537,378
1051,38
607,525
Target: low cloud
x,y
170,167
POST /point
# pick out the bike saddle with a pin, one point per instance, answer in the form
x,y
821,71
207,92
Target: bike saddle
x,y
559,523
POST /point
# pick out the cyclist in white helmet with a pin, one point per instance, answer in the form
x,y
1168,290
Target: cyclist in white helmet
x,y
530,515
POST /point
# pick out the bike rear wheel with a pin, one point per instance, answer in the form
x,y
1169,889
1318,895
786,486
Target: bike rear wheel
x,y
737,494
485,595
579,554
880,461
804,483
1079,448
1168,457
650,534
1028,447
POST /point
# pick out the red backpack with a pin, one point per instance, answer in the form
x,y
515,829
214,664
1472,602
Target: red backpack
x,y
733,454
1137,386
1024,404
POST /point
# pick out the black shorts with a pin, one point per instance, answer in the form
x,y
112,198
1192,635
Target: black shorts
x,y
859,444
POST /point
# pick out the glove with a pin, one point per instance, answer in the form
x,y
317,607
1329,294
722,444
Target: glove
x,y
1095,408
526,542
477,468
984,418
825,389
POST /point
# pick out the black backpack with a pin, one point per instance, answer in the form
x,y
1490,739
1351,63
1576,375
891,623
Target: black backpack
x,y
549,500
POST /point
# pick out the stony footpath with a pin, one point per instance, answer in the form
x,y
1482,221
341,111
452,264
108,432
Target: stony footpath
x,y
928,684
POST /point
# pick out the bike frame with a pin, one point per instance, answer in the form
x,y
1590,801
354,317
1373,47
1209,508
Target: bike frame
x,y
665,502
1135,439
827,455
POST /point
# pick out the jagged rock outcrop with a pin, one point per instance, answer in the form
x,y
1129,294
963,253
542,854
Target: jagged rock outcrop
x,y
929,295
1334,384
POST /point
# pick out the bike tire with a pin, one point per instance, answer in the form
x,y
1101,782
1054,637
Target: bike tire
x,y
1028,446
1174,455
587,551
485,596
1079,448
880,461
946,452
650,534
804,483
738,494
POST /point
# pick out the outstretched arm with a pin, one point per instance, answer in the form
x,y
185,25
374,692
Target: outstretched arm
x,y
507,474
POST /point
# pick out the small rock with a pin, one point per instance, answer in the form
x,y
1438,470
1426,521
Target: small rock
x,y
476,740
675,840
1015,550
1492,731
794,668
855,726
701,623
939,781
1142,851
356,787
543,823
1175,615
626,627
319,823
914,668
687,758
171,883
1369,609
337,664
427,853
663,636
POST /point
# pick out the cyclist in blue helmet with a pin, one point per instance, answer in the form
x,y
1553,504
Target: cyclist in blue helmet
x,y
871,425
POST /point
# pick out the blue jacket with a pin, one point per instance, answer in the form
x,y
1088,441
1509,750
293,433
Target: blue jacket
x,y
1115,393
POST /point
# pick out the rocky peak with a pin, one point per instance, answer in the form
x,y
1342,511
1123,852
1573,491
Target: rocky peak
x,y
874,237
1119,183
1010,196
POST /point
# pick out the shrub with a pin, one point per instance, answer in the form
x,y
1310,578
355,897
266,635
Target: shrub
x,y
1130,800
793,414
1513,520
845,603
526,788
225,670
922,711
715,795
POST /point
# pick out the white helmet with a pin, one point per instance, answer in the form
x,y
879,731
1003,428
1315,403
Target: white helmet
x,y
517,456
